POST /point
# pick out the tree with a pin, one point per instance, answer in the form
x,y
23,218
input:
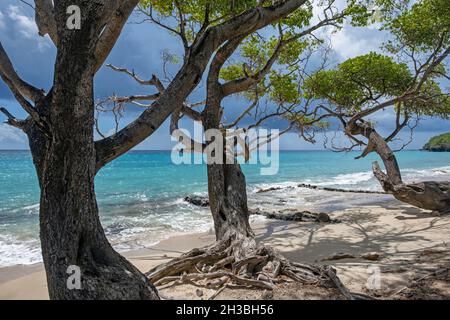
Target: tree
x,y
412,87
263,70
60,128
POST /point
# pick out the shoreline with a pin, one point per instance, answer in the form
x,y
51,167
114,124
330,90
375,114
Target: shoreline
x,y
15,281
402,235
128,224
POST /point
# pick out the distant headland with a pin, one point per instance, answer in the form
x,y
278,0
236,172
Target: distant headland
x,y
438,143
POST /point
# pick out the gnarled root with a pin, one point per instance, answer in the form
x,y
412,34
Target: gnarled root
x,y
217,267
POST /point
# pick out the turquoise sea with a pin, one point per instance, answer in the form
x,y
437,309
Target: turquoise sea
x,y
141,194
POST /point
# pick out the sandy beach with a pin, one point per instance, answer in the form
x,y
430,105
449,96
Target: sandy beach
x,y
400,242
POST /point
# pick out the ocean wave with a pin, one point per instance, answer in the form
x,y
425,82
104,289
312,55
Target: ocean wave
x,y
267,185
367,179
349,179
357,180
434,173
18,252
148,221
29,209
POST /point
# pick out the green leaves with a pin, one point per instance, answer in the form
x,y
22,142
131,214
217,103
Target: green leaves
x,y
300,18
280,84
195,9
424,26
360,80
430,102
283,88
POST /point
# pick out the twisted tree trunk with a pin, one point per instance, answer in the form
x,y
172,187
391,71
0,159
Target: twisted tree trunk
x,y
62,145
228,202
430,195
226,183
70,229
389,159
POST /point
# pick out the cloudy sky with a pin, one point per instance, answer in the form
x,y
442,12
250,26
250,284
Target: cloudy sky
x,y
140,47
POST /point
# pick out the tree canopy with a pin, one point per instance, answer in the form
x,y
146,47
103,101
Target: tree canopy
x,y
360,83
359,80
408,77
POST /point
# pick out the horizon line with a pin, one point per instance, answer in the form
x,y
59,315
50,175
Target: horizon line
x,y
145,150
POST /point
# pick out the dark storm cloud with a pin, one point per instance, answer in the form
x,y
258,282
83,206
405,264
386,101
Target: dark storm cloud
x,y
140,48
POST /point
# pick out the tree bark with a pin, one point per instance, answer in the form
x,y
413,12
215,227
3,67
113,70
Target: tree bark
x,y
227,194
70,229
382,148
60,133
65,159
430,195
228,202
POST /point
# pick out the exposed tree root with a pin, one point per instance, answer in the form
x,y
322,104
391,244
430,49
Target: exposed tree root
x,y
218,267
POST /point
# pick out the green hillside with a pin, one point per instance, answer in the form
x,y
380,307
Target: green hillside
x,y
438,143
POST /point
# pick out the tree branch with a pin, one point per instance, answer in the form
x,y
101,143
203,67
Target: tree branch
x,y
154,81
45,19
182,28
112,30
12,121
24,103
244,84
194,115
242,115
189,76
148,97
15,83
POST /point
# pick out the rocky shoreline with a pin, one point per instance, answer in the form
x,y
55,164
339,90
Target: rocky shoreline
x,y
285,214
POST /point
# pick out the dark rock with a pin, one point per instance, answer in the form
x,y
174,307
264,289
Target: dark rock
x,y
339,256
291,215
199,293
323,217
371,256
268,189
197,201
